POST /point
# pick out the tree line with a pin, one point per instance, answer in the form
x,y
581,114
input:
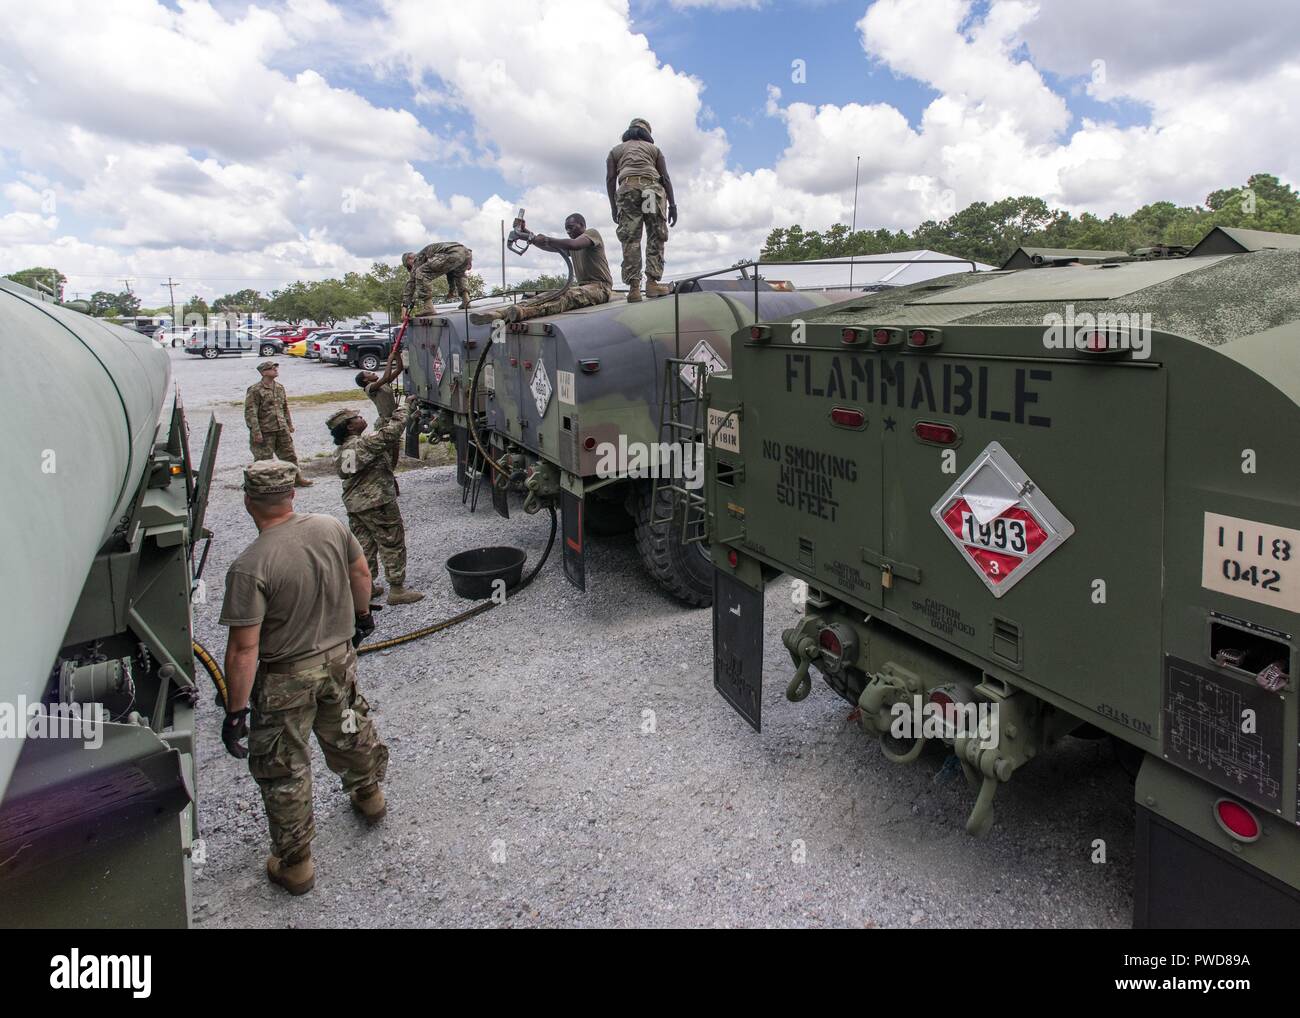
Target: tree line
x,y
990,231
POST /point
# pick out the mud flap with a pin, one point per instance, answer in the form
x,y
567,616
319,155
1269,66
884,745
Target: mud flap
x,y
413,437
738,646
500,495
462,453
575,568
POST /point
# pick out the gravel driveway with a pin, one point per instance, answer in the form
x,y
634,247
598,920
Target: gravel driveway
x,y
564,760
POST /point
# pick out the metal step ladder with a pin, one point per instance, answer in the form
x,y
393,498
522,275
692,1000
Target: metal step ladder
x,y
681,427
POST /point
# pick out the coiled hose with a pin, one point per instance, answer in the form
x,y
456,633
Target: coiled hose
x,y
219,680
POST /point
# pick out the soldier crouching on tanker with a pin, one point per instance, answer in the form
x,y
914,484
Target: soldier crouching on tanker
x,y
592,283
365,462
297,604
448,259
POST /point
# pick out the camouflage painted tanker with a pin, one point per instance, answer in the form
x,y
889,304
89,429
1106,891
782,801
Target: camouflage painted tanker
x,y
97,816
562,400
1061,500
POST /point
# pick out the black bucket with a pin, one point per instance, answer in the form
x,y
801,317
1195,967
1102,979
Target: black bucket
x,y
472,572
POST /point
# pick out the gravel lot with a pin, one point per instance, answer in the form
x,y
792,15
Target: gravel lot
x,y
564,760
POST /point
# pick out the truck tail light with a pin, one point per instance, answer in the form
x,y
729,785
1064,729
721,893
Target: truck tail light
x,y
850,336
937,434
589,443
732,558
830,643
759,333
848,418
345,348
883,338
589,367
1236,820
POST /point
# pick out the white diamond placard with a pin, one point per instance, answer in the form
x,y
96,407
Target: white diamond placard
x,y
702,353
439,368
999,520
540,387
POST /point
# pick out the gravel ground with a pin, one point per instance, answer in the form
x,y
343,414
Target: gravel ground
x,y
565,761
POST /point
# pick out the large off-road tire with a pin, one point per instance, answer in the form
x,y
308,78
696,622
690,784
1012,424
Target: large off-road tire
x,y
684,570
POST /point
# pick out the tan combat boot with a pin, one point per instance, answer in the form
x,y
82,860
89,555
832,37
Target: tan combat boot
x,y
370,803
654,288
634,291
296,877
400,595
302,482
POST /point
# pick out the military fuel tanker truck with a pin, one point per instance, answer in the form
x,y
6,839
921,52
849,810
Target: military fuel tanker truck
x,y
572,409
100,508
1028,504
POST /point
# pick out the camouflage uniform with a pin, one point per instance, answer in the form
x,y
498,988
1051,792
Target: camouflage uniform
x,y
365,462
591,286
641,202
266,411
286,708
447,259
310,682
385,404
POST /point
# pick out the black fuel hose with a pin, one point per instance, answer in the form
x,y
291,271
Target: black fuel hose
x,y
219,680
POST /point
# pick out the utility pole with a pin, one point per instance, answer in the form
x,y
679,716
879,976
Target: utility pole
x,y
854,228
171,290
503,255
127,282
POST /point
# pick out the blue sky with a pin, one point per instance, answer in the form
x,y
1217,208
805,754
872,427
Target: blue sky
x,y
214,140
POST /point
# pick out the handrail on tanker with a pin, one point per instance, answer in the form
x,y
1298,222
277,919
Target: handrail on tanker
x,y
757,264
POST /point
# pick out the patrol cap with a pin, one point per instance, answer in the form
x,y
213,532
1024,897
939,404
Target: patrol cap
x,y
339,416
643,124
267,365
269,477
406,255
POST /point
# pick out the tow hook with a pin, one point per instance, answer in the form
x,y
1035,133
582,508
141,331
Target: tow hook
x,y
801,685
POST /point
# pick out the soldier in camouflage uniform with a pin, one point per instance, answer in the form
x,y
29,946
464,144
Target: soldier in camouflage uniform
x,y
640,195
382,397
297,604
450,259
592,283
365,462
270,428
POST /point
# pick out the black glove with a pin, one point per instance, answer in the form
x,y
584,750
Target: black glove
x,y
233,729
365,626
672,215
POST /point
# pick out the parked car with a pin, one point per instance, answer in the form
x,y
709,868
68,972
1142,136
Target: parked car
x,y
177,336
315,341
211,343
367,350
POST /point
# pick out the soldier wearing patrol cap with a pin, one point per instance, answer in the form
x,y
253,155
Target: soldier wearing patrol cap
x,y
365,462
266,412
297,604
640,196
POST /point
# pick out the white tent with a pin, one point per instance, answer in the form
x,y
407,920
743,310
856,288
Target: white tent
x,y
861,272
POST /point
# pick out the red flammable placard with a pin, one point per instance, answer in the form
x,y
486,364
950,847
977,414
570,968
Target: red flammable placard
x,y
1001,546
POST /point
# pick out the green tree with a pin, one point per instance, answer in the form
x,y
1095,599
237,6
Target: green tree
x,y
196,305
126,304
288,304
540,284
101,303
242,302
47,277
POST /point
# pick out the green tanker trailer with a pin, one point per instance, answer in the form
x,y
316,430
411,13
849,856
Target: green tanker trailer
x,y
1021,505
100,508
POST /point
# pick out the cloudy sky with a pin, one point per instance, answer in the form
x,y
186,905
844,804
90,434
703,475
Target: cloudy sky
x,y
232,145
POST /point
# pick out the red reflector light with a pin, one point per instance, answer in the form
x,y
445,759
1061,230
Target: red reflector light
x,y
1237,820
939,434
830,642
849,335
589,443
758,333
732,558
917,337
589,367
514,362
528,365
847,418
880,337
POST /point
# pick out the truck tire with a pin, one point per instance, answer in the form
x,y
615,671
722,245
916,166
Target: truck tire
x,y
210,353
369,361
684,570
268,350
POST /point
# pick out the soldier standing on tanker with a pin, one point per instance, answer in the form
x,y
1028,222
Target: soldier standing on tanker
x,y
370,496
266,412
592,283
640,193
297,604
